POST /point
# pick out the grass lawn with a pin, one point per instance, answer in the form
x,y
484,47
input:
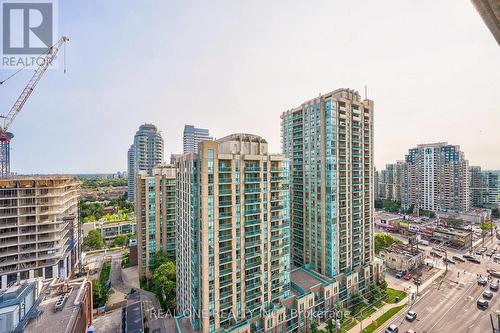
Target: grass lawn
x,y
348,324
367,313
392,294
105,272
382,319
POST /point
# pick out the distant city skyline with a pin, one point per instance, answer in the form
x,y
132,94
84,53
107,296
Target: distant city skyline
x,y
236,68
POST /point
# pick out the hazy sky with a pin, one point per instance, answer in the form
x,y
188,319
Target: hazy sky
x,y
432,68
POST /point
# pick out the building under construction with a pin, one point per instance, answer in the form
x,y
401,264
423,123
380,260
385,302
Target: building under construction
x,y
38,227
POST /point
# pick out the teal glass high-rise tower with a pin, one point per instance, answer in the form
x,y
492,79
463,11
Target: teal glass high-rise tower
x,y
329,141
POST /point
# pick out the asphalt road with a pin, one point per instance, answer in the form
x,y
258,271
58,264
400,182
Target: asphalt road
x,y
449,305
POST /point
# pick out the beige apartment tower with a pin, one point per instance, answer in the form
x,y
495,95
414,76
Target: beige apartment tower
x,y
234,239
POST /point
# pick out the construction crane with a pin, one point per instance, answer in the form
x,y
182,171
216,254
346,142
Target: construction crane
x,y
5,136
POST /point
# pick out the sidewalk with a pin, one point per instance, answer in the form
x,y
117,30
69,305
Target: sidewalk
x,y
367,321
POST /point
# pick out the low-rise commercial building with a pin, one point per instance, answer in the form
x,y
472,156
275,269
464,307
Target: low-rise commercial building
x,y
452,236
18,305
110,230
402,258
390,222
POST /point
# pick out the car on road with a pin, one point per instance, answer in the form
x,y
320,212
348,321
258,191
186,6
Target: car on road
x,y
408,276
487,294
482,304
399,275
448,260
392,329
417,280
467,256
410,331
474,260
411,315
494,286
435,254
457,258
482,281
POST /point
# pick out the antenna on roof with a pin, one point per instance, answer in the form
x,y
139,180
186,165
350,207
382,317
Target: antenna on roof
x,y
366,92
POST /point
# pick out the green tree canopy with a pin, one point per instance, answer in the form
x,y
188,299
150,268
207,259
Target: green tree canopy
x,y
163,281
94,240
120,241
384,241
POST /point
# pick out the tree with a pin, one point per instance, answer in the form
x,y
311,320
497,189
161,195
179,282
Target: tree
x,y
487,226
313,328
410,209
120,241
455,223
390,206
162,258
94,240
375,292
383,285
495,213
163,283
330,327
357,302
384,241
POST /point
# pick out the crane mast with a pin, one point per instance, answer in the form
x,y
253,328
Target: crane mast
x,y
5,136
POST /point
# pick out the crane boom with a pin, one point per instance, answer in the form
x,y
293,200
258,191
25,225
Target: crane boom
x,y
25,94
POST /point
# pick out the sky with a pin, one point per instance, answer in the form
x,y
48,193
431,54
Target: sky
x,y
431,67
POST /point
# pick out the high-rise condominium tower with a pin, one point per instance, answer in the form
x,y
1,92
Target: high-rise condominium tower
x,y
144,154
390,181
233,231
39,228
192,136
155,216
329,140
436,178
484,188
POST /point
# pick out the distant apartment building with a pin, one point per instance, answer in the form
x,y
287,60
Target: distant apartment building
x,y
130,173
145,153
390,181
155,212
436,178
38,228
192,136
233,226
484,188
110,229
329,141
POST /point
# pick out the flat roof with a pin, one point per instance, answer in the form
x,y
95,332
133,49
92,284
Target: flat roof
x,y
51,321
305,279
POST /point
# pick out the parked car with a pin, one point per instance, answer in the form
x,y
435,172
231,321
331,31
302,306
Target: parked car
x,y
482,304
448,260
487,294
494,286
408,276
410,331
482,281
411,315
435,254
457,258
392,329
399,275
468,256
474,260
